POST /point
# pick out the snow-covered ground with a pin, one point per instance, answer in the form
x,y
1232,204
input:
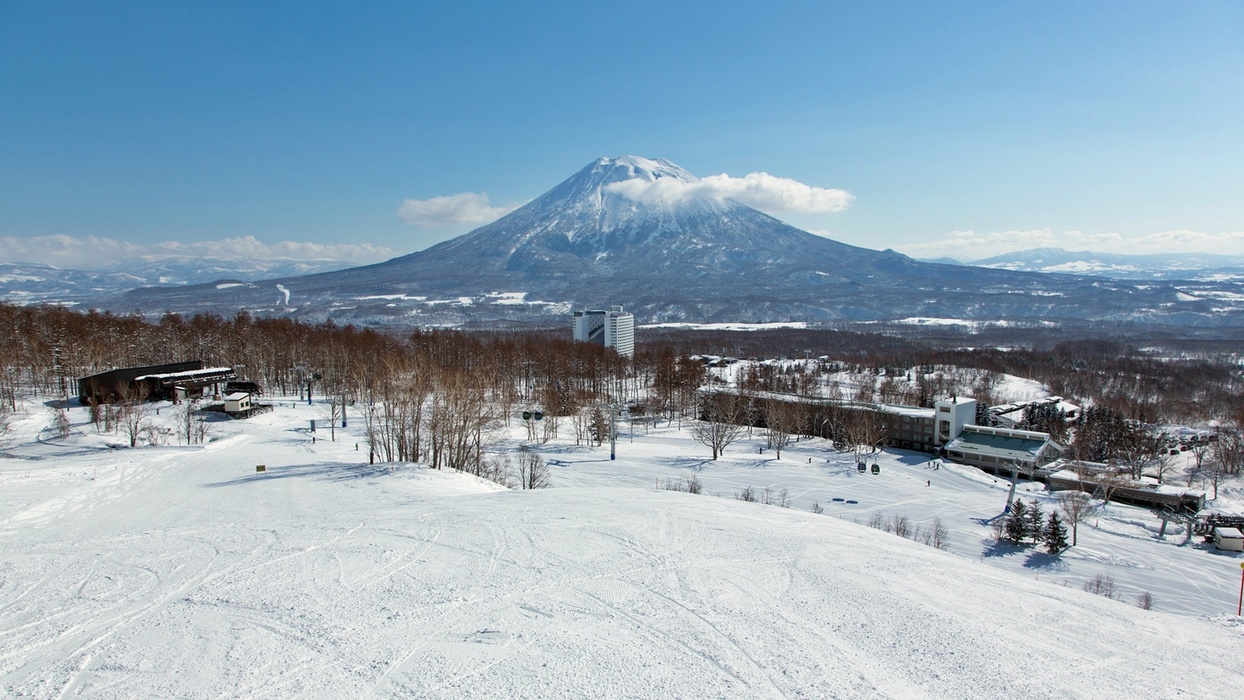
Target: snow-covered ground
x,y
180,571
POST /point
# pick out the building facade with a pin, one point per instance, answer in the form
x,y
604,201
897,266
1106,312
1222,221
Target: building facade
x,y
927,429
613,329
172,381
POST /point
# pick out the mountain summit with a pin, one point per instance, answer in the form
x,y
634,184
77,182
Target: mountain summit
x,y
631,216
647,234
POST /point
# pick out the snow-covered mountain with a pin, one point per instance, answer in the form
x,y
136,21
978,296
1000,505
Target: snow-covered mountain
x,y
640,232
35,282
1185,266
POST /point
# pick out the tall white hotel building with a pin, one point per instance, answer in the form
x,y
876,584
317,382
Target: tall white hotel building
x,y
613,329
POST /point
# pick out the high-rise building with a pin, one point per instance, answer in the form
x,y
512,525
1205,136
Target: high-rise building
x,y
613,328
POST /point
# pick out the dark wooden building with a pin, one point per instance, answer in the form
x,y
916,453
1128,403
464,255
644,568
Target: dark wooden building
x,y
153,383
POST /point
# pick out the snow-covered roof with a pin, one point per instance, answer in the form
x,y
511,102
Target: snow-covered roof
x,y
1005,409
913,411
1231,533
237,396
187,375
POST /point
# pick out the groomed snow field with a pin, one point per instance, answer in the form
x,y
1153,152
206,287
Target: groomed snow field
x,y
182,572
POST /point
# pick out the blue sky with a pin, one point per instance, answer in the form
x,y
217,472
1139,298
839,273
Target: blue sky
x,y
959,128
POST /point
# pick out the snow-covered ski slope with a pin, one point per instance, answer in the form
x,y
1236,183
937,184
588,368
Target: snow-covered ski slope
x,y
181,572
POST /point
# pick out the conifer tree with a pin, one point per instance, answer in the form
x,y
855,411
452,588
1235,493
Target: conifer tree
x,y
1034,521
1055,535
1017,522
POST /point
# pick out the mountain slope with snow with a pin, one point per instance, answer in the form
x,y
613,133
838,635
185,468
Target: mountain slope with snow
x,y
1187,266
25,283
674,254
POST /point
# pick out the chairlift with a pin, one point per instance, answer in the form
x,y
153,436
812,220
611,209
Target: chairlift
x,y
876,468
862,467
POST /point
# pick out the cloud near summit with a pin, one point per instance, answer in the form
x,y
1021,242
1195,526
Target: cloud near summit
x,y
461,208
760,190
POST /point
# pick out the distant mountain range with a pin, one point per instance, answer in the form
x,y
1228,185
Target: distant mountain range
x,y
1186,266
641,233
34,282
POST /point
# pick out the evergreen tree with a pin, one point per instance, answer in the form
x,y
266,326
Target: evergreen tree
x,y
1016,522
982,413
1055,535
1034,521
1045,418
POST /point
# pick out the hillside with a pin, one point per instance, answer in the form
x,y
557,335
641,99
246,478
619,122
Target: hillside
x,y
180,571
1185,266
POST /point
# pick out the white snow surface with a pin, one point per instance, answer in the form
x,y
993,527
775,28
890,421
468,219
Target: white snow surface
x,y
182,572
729,326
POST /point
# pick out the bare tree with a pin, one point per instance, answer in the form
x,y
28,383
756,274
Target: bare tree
x,y
939,536
1077,507
720,422
1107,484
1228,450
461,418
1211,472
781,421
192,428
533,473
60,422
1200,450
1139,449
334,410
1162,464
865,428
135,412
1103,585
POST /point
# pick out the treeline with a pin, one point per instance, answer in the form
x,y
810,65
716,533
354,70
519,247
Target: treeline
x,y
431,396
1187,381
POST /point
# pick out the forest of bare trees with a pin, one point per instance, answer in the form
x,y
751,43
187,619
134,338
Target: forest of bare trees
x,y
439,396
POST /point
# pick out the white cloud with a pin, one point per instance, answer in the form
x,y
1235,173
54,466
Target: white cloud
x,y
94,252
461,208
1227,242
971,245
760,190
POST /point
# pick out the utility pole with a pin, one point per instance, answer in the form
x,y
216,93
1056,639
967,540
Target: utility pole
x,y
1010,496
613,431
1240,605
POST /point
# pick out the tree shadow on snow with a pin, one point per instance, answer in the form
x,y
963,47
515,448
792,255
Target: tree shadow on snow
x,y
332,471
1001,548
696,465
840,469
1045,561
988,522
751,462
561,449
911,459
